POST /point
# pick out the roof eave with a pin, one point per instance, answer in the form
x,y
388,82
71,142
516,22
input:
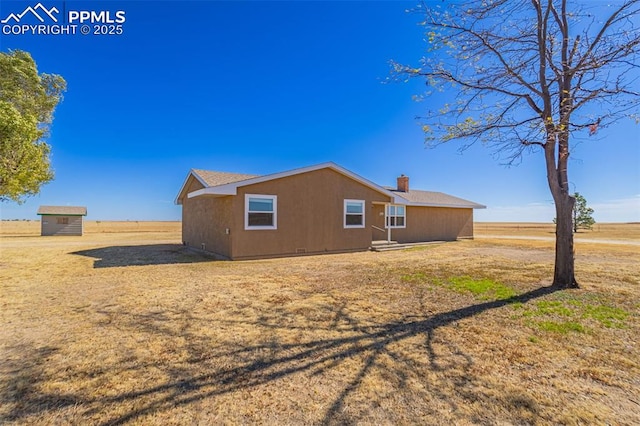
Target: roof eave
x,y
453,206
397,199
227,189
61,214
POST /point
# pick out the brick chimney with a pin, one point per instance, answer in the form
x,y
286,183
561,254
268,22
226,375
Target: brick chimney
x,y
403,183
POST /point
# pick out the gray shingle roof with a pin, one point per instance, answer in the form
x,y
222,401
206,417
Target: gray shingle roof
x,y
212,178
63,210
413,197
436,199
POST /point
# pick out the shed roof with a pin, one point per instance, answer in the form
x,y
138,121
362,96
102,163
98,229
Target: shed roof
x,y
62,210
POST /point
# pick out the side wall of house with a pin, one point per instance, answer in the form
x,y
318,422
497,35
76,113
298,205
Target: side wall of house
x,y
310,216
205,221
435,224
55,225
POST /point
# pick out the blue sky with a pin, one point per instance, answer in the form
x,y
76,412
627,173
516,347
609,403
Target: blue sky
x,y
260,87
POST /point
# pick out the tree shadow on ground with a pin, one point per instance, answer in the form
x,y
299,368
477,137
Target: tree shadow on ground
x,y
215,369
142,255
20,379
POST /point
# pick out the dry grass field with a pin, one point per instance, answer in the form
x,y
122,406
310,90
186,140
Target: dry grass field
x,y
130,328
600,231
32,227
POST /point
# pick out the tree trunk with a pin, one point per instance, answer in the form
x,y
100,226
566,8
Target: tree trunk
x,y
564,273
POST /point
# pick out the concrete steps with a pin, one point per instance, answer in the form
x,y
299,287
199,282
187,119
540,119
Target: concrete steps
x,y
381,246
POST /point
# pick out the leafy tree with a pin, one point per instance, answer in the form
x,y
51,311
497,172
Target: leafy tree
x,y
530,75
582,214
27,102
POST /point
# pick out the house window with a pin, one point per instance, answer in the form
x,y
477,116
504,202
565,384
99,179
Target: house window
x,y
63,221
260,211
396,217
354,213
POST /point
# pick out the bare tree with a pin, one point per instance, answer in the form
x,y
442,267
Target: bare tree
x,y
530,75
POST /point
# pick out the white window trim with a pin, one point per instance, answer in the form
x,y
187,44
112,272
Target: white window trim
x,y
344,214
387,216
246,212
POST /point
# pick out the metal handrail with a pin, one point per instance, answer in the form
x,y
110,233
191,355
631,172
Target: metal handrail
x,y
386,231
379,229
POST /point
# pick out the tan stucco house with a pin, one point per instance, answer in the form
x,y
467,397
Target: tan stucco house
x,y
317,209
61,220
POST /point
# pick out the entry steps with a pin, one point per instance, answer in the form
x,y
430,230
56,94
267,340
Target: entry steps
x,y
384,245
